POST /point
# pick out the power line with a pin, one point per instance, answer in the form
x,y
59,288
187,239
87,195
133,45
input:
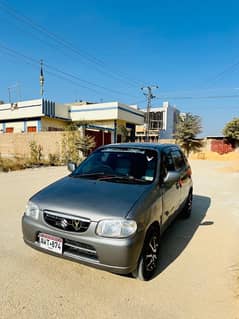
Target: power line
x,y
65,74
168,94
68,45
221,74
197,97
88,82
35,63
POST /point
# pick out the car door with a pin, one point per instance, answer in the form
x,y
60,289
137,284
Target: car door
x,y
171,191
181,165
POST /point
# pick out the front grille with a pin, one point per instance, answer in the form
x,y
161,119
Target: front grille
x,y
74,248
65,222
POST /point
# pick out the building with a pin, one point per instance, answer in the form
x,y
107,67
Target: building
x,y
104,119
33,116
109,116
162,123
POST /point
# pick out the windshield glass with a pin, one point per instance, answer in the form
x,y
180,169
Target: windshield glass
x,y
123,165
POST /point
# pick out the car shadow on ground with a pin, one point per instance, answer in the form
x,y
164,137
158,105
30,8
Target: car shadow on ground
x,y
178,235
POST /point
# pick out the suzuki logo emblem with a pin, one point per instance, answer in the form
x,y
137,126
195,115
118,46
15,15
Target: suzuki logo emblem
x,y
64,223
76,224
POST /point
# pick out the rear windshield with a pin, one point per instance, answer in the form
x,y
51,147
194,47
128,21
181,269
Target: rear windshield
x,y
126,165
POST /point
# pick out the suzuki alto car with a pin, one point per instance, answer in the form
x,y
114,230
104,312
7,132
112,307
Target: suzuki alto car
x,y
113,208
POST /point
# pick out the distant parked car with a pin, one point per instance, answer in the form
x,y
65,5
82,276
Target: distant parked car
x,y
111,211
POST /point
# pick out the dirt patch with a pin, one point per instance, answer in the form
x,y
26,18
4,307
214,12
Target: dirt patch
x,y
235,271
231,168
231,160
213,156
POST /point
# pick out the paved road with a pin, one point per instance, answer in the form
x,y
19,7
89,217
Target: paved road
x,y
198,277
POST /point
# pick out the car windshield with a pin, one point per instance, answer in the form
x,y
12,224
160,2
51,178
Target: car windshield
x,y
119,165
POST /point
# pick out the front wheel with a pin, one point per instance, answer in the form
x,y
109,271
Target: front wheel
x,y
149,259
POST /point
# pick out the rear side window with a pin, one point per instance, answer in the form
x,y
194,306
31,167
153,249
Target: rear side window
x,y
172,160
178,159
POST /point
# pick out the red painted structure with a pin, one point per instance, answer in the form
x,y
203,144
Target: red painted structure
x,y
101,137
221,146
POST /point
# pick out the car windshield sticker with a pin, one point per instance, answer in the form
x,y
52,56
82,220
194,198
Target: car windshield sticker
x,y
149,158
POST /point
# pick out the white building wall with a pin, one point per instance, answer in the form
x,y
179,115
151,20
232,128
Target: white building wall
x,y
17,126
62,111
169,120
106,111
130,114
32,123
25,109
94,112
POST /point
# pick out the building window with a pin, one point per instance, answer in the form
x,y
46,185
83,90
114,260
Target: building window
x,y
9,129
31,129
50,129
156,120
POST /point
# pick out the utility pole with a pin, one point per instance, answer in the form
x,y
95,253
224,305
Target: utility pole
x,y
41,79
148,93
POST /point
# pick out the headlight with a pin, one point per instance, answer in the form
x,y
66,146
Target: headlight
x,y
116,228
32,210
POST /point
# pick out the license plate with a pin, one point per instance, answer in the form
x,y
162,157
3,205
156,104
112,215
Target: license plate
x,y
51,243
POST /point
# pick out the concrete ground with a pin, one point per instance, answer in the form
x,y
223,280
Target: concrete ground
x,y
198,277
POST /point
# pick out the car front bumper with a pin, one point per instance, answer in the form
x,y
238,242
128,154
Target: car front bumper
x,y
111,254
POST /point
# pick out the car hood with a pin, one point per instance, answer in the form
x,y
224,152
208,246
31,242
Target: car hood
x,y
91,199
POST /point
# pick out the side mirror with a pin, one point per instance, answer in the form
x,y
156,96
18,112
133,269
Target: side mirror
x,y
71,166
171,177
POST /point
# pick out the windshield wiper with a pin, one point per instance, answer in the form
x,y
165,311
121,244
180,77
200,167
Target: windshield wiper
x,y
90,175
101,176
129,179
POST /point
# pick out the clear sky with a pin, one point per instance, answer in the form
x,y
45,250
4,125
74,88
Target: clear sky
x,y
102,50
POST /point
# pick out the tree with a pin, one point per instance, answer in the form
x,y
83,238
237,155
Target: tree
x,y
122,130
69,147
75,141
35,152
187,128
85,144
231,130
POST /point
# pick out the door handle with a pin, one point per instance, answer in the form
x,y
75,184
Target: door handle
x,y
178,184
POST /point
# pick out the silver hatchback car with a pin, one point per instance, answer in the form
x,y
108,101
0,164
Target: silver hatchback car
x,y
112,210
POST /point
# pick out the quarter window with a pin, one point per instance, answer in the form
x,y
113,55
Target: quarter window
x,y
178,160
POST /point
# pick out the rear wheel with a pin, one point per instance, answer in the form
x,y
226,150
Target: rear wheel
x,y
187,210
149,259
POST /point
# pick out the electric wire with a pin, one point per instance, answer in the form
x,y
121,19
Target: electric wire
x,y
221,74
64,74
197,97
67,45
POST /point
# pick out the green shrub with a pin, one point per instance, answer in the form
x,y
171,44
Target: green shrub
x,y
54,159
36,154
13,164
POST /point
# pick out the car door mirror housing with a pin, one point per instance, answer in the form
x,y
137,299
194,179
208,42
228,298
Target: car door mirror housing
x,y
171,177
71,166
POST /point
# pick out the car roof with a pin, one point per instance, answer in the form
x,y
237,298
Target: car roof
x,y
156,146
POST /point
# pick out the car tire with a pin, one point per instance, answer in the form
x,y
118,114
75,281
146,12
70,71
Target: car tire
x,y
187,209
149,258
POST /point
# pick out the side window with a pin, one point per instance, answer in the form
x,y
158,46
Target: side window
x,y
179,161
167,164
